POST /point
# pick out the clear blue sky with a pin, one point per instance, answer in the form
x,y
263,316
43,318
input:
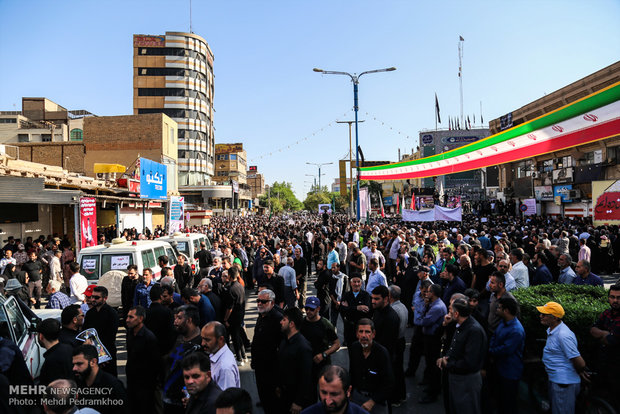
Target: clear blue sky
x,y
79,54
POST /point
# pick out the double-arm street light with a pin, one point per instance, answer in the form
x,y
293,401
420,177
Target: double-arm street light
x,y
355,79
319,165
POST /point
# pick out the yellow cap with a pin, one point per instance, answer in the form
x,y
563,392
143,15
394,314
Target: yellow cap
x,y
552,308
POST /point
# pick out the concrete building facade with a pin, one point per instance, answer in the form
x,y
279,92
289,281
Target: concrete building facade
x,y
123,139
230,163
173,74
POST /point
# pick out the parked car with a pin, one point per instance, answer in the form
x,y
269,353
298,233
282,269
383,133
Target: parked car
x,y
18,323
188,244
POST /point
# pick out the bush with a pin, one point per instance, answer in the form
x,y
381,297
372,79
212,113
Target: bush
x,y
582,305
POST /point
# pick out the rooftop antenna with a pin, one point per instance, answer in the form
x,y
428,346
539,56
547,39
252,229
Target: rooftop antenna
x,y
190,16
461,40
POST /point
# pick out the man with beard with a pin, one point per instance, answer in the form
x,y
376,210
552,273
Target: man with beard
x,y
275,282
202,389
143,364
371,370
300,266
182,273
128,288
267,336
71,319
355,305
295,365
233,300
334,393
104,319
95,384
186,321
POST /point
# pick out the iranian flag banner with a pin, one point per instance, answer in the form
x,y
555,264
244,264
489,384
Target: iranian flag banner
x,y
592,118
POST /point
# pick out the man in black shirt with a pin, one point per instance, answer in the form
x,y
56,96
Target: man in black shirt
x,y
464,360
71,319
34,269
128,288
275,282
160,321
295,365
96,385
57,362
186,322
267,337
301,268
201,387
323,277
371,370
143,368
321,334
183,273
206,288
355,305
233,299
385,318
204,257
105,320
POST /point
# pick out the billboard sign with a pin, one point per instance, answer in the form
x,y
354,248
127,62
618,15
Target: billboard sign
x,y
176,223
563,191
228,148
459,140
427,139
153,182
325,208
543,193
88,221
606,202
149,41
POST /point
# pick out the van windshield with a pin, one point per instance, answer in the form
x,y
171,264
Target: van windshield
x,y
183,247
116,262
89,267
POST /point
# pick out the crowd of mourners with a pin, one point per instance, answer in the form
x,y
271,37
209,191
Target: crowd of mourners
x,y
186,336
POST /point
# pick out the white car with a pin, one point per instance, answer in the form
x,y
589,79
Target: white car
x,y
188,244
18,323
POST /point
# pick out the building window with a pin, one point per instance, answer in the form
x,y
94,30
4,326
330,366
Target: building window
x,y
565,162
23,138
222,157
547,166
8,120
233,156
76,134
524,169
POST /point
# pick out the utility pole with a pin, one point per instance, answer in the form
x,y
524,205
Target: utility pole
x,y
319,165
351,208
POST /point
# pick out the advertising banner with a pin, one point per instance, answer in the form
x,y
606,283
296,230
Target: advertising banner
x,y
364,202
434,214
153,182
543,193
453,202
175,223
325,208
606,202
425,202
529,207
88,221
563,191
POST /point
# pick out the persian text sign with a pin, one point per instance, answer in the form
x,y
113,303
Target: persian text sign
x,y
176,214
153,182
149,41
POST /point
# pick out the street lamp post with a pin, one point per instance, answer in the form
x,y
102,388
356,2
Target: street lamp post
x,y
355,79
319,165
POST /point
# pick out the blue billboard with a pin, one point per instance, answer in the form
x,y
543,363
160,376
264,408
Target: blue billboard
x,y
153,183
563,191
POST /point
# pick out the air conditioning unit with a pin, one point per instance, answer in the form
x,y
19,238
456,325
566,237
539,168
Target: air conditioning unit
x,y
574,194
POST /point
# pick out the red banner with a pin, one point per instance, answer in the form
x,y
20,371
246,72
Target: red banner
x,y
88,221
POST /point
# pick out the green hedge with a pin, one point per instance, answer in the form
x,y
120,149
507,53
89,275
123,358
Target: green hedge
x,y
582,305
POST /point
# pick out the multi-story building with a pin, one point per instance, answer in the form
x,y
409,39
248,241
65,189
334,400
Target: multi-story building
x,y
256,182
230,163
561,181
123,139
173,74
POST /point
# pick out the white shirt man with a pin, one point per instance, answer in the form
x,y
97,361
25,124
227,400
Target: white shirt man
x,y
78,285
519,271
224,370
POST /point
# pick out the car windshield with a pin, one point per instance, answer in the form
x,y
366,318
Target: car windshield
x,y
116,262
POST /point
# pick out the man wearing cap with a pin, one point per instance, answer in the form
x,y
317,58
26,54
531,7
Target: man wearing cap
x,y
321,334
57,300
563,362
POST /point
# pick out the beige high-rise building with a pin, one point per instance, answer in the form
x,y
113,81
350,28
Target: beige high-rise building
x,y
173,74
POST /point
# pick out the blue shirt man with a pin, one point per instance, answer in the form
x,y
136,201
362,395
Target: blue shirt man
x,y
585,276
433,317
542,276
332,257
376,278
143,289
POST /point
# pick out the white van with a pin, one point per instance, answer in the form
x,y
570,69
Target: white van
x,y
188,244
97,260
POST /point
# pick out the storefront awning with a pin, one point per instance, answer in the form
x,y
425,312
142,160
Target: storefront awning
x,y
32,190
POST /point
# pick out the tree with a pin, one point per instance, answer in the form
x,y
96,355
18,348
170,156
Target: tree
x,y
282,198
312,201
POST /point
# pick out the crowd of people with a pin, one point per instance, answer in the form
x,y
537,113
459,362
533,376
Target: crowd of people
x,y
186,335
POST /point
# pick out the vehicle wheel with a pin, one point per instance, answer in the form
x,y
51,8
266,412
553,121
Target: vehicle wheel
x,y
596,405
